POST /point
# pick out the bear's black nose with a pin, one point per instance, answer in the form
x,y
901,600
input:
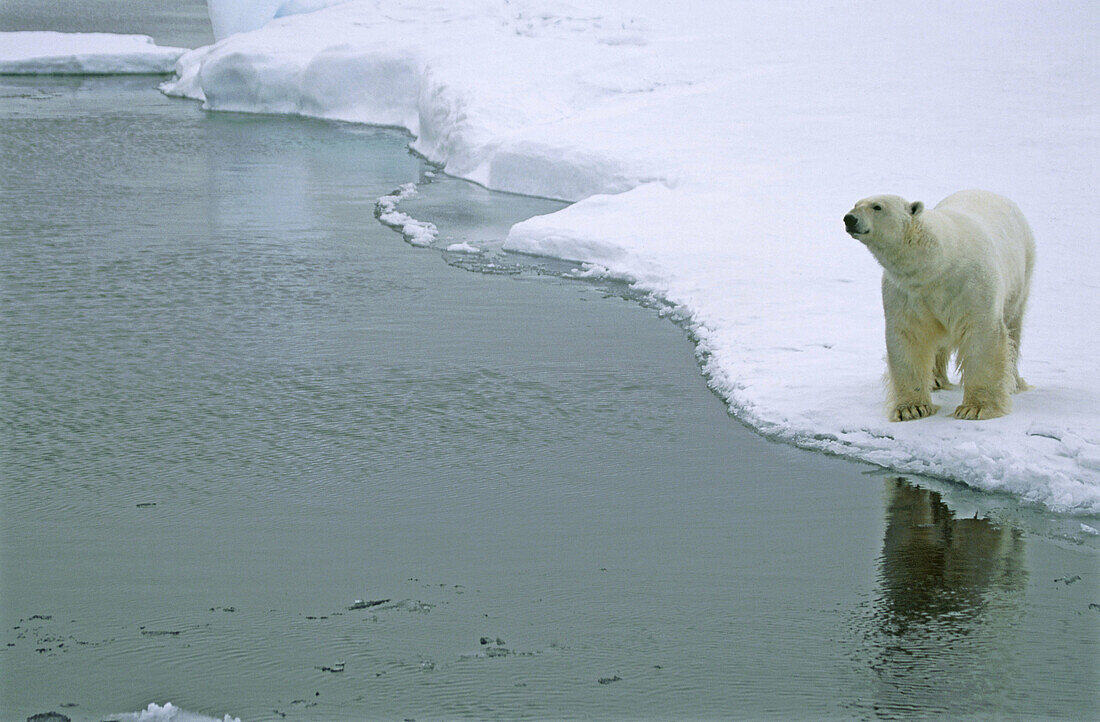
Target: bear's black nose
x,y
849,222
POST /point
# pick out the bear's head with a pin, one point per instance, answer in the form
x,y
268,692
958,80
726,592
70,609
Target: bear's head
x,y
881,221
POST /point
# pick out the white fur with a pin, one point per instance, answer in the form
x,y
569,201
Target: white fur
x,y
955,279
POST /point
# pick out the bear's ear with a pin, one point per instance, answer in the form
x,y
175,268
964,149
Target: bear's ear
x,y
915,207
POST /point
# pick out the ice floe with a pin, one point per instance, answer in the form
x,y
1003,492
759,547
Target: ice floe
x,y
52,53
712,150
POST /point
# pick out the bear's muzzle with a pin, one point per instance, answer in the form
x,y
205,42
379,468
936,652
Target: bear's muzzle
x,y
851,225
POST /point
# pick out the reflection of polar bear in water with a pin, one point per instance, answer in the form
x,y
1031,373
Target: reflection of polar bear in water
x,y
936,564
942,631
955,278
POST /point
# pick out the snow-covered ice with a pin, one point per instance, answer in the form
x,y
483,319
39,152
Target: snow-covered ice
x,y
47,52
712,150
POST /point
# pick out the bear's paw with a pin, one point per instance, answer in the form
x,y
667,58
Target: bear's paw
x,y
910,412
975,412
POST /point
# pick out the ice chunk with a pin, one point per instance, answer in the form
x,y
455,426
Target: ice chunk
x,y
417,233
229,17
171,713
463,247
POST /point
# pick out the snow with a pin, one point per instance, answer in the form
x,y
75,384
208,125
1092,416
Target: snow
x,y
44,53
712,150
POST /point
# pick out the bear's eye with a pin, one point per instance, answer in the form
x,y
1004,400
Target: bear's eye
x,y
876,207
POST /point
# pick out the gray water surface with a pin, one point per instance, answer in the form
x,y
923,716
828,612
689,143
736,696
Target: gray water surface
x,y
234,405
178,23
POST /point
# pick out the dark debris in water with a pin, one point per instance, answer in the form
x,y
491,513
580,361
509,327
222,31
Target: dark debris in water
x,y
494,647
409,605
48,717
337,667
360,604
145,504
1068,579
609,680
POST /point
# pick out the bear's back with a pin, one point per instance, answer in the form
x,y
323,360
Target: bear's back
x,y
979,203
996,226
1000,217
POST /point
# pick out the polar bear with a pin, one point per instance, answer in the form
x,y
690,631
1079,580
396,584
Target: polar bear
x,y
955,279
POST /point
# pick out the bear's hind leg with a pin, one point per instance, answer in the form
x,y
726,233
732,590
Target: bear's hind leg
x,y
988,376
939,370
1015,331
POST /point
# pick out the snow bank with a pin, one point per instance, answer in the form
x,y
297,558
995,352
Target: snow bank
x,y
713,150
45,53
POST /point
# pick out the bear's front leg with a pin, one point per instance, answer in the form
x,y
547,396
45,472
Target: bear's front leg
x,y
909,360
987,376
